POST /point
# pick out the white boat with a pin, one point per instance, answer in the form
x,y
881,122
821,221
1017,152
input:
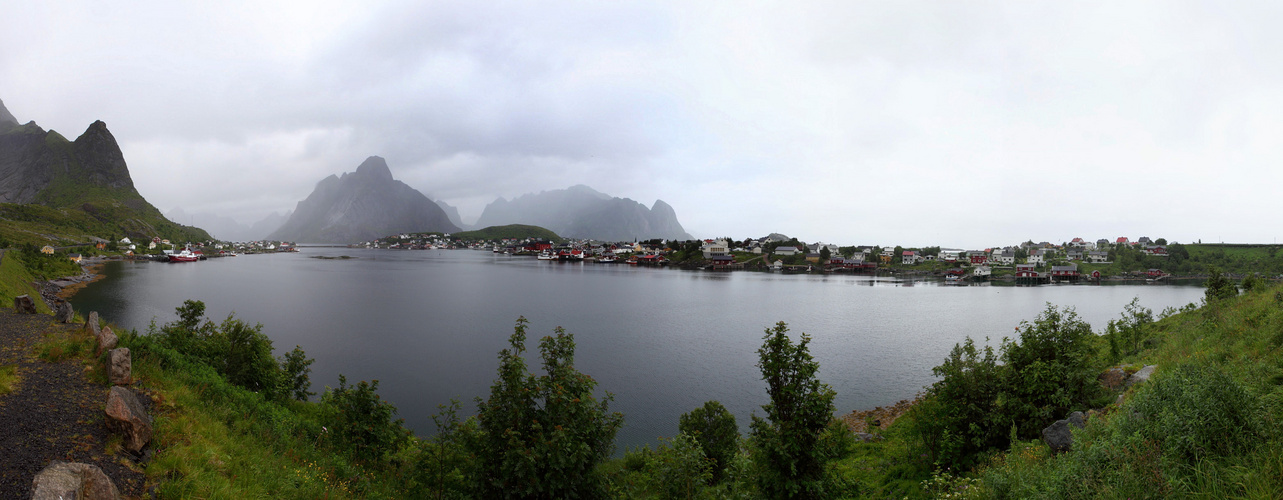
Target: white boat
x,y
546,256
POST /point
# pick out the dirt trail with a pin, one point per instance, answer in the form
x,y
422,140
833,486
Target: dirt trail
x,y
55,412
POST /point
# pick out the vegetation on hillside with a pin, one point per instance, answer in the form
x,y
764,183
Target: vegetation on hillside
x,y
508,232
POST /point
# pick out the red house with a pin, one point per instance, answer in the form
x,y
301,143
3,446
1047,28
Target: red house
x,y
978,257
1026,271
1154,273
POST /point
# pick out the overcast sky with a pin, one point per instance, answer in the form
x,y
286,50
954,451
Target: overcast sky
x,y
962,124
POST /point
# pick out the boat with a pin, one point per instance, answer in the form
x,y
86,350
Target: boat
x,y
546,256
184,256
606,259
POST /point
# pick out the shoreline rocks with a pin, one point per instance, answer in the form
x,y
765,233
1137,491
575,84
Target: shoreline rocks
x,y
126,415
67,480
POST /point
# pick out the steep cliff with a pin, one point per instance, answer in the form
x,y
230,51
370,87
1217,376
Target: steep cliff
x,y
582,212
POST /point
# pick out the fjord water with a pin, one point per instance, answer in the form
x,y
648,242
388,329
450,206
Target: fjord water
x,y
429,324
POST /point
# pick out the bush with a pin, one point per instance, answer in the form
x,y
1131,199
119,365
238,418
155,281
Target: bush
x,y
715,430
1126,334
295,367
789,459
542,437
957,416
1218,286
1049,371
360,422
1197,412
679,467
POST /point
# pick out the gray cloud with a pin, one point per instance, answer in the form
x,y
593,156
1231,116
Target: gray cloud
x,y
854,122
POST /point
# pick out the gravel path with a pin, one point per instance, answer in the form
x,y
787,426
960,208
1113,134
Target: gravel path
x,y
55,413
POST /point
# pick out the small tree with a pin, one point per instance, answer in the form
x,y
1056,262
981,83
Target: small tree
x,y
542,437
295,367
361,422
715,430
790,462
1049,370
1218,286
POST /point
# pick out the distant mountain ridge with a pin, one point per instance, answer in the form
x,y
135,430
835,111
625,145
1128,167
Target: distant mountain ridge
x,y
581,212
88,175
361,206
229,229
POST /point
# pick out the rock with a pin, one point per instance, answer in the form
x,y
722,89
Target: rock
x,y
1141,375
106,339
1058,436
65,313
91,324
868,438
120,366
23,304
63,480
126,415
1113,378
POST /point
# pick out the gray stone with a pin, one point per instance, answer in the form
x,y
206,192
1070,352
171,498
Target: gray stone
x,y
868,438
65,312
120,366
1141,375
91,324
106,339
63,480
126,415
23,304
1058,436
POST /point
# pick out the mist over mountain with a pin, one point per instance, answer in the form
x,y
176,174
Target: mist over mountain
x,y
360,206
87,178
453,213
582,212
227,228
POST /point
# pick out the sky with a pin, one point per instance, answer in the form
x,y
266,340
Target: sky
x,y
958,124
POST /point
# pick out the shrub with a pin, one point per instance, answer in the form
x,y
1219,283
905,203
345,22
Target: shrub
x,y
1218,286
542,437
789,459
1048,371
443,459
1127,333
295,367
957,416
1197,412
679,467
360,422
715,430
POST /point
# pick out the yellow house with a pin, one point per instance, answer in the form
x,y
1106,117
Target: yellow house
x,y
47,250
75,257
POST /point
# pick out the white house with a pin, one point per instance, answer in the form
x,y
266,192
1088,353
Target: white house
x,y
1036,257
1098,257
786,250
909,257
716,247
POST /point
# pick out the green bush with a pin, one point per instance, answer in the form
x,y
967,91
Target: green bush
x,y
295,367
679,468
1126,334
1049,371
714,428
360,422
1218,286
790,460
957,417
542,437
1197,412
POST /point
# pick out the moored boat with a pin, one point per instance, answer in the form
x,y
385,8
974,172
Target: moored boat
x,y
185,255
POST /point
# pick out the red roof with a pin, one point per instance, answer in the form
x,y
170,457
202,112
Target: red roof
x,y
1121,239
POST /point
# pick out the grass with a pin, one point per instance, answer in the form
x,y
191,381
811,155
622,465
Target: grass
x,y
9,379
57,347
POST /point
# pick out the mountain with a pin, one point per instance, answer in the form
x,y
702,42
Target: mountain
x,y
229,229
581,212
268,225
361,206
7,120
86,181
453,213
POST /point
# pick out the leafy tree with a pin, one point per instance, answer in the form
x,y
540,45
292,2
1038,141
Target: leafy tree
x,y
443,458
1218,286
1126,334
243,354
1160,241
714,428
825,254
542,437
1049,370
1251,283
295,367
957,417
790,460
360,421
679,467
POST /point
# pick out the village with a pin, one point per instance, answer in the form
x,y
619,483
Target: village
x,y
1028,262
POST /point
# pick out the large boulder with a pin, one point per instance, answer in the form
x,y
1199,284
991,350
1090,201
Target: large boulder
x,y
1058,436
1141,375
1113,378
23,304
91,324
106,339
126,415
65,312
119,366
64,480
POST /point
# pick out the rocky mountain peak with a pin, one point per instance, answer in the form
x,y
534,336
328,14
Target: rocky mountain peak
x,y
375,167
6,118
100,155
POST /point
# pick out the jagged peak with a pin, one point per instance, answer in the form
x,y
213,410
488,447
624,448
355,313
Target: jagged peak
x,y
96,131
583,188
660,204
5,116
375,166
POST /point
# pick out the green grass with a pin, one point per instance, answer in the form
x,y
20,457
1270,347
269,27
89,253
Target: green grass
x,y
8,379
16,280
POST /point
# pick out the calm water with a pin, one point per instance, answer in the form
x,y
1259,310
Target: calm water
x,y
429,324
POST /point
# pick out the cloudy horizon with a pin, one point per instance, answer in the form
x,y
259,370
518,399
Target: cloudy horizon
x,y
935,123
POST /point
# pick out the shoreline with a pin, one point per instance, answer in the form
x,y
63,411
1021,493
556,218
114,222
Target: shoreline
x,y
67,286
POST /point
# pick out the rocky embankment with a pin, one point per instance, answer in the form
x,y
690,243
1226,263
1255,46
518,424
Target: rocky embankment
x,y
73,426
